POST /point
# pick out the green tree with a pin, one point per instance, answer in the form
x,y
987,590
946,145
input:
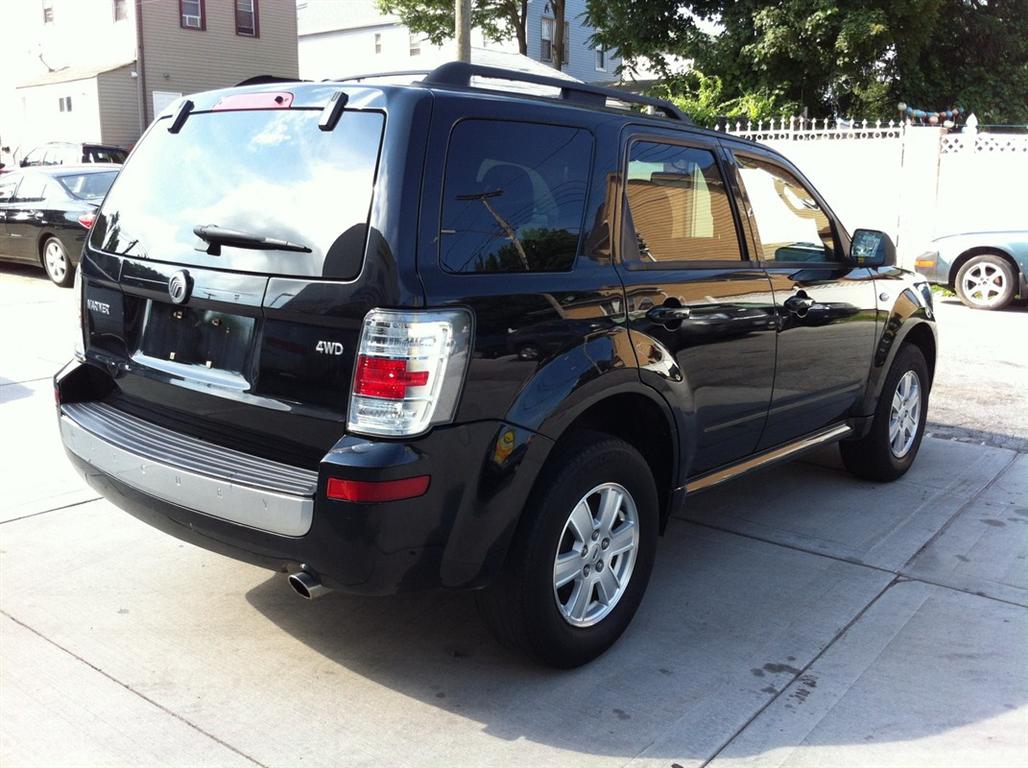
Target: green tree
x,y
852,58
498,19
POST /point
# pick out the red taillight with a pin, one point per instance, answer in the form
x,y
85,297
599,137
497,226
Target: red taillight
x,y
368,491
386,377
87,219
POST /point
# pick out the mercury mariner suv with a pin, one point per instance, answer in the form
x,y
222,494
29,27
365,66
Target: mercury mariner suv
x,y
450,333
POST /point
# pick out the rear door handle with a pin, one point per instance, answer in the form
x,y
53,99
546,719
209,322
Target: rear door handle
x,y
666,314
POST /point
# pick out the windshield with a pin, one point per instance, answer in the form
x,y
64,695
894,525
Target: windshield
x,y
268,173
88,186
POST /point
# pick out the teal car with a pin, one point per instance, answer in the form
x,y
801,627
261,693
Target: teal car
x,y
985,269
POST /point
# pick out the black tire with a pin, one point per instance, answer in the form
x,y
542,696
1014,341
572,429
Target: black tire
x,y
521,606
997,293
873,457
58,268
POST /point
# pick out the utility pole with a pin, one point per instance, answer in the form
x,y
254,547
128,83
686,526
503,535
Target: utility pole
x,y
462,29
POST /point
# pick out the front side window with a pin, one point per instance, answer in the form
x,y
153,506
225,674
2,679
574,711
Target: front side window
x,y
191,14
514,196
678,206
246,18
546,40
790,224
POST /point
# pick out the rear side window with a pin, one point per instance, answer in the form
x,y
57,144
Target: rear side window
x,y
8,183
88,186
32,189
678,206
514,196
266,173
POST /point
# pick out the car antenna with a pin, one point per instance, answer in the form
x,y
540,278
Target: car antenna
x,y
180,116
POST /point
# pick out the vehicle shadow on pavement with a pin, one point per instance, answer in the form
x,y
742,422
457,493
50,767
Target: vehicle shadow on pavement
x,y
730,625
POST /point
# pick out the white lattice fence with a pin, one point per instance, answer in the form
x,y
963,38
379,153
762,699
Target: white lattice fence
x,y
988,143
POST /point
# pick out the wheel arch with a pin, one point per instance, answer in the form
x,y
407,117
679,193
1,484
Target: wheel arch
x,y
643,419
980,250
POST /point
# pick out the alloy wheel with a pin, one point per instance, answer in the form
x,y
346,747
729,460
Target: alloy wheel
x,y
596,555
55,261
905,414
984,284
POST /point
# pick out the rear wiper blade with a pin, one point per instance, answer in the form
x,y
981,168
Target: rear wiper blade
x,y
216,237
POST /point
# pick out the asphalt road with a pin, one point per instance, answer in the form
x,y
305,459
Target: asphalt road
x,y
796,618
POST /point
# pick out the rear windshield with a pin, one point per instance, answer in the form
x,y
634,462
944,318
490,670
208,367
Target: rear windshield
x,y
88,186
268,173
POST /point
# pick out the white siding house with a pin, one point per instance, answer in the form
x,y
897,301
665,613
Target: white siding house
x,y
353,37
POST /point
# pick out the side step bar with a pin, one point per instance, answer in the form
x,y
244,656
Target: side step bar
x,y
781,453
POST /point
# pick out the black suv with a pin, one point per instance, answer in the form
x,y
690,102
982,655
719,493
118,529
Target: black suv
x,y
408,336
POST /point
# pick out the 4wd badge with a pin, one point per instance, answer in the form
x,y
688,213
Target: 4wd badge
x,y
329,347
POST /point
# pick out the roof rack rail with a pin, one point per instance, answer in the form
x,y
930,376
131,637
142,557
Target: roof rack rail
x,y
459,73
369,75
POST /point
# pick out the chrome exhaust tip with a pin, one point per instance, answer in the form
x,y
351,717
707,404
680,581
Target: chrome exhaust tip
x,y
307,585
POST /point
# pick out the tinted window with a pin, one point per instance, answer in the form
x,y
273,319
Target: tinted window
x,y
790,223
88,186
678,206
32,189
103,155
270,173
35,157
514,196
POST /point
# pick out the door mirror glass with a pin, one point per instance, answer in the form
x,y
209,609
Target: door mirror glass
x,y
872,248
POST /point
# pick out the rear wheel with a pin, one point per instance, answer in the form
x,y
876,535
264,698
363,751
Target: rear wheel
x,y
582,558
890,447
986,282
56,263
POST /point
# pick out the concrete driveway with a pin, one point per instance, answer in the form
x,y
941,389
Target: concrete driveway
x,y
799,617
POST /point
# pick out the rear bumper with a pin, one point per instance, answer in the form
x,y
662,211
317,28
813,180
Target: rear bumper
x,y
273,515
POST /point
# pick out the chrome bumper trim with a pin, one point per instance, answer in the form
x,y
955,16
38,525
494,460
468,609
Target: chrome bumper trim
x,y
191,473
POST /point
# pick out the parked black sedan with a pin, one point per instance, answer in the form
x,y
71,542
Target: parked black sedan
x,y
46,212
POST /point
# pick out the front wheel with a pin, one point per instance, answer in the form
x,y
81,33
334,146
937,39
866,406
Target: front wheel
x,y
582,557
57,264
890,447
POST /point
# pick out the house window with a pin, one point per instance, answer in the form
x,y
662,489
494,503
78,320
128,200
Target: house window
x,y
246,18
546,54
601,59
192,14
415,44
378,42
120,11
567,42
64,104
48,11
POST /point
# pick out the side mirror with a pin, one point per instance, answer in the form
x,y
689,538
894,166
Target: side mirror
x,y
871,248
